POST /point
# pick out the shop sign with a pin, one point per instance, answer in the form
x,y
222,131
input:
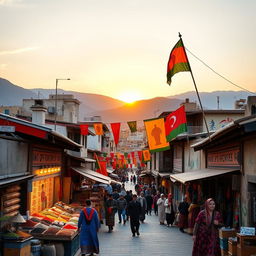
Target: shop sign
x,y
7,128
46,158
226,158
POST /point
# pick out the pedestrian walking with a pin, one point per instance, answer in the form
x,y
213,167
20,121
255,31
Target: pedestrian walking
x,y
111,208
121,208
155,198
134,211
149,200
193,211
161,209
205,234
170,210
183,214
142,200
89,225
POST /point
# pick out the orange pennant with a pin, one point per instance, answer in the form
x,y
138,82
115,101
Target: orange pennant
x,y
98,127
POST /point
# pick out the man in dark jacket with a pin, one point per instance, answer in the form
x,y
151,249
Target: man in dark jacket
x,y
134,211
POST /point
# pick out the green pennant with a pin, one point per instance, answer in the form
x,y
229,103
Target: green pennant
x,y
133,126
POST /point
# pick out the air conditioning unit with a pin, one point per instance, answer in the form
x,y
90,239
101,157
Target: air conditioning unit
x,y
51,110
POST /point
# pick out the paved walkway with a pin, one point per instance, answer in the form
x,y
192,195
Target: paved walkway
x,y
154,239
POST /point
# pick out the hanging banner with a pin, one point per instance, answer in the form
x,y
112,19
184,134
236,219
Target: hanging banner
x,y
98,128
103,167
156,135
133,126
146,155
84,129
140,155
116,131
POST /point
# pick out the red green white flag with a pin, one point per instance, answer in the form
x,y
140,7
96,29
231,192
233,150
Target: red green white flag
x,y
176,123
178,61
97,164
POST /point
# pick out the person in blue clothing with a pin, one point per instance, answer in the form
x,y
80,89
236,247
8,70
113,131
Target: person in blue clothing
x,y
88,225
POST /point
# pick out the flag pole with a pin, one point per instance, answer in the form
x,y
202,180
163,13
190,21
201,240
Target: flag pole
x,y
201,106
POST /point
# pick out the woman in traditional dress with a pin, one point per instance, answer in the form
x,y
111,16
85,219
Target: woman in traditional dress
x,y
170,210
111,207
161,209
89,225
205,234
193,211
183,214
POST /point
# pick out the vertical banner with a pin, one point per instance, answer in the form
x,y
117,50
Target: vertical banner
x,y
98,127
103,167
146,155
116,131
133,126
155,129
84,129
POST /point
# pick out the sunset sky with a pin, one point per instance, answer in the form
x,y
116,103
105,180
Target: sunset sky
x,y
120,48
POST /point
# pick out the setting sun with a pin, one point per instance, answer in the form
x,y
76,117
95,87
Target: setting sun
x,y
129,97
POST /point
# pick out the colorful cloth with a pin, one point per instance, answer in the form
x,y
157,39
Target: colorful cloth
x,y
207,236
89,242
193,211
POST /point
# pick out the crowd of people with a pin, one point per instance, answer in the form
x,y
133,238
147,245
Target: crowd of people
x,y
133,207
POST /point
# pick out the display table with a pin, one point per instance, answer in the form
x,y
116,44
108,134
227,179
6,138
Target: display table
x,y
71,244
16,247
246,245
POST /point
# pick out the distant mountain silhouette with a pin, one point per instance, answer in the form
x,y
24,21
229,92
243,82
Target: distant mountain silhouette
x,y
140,110
113,110
12,95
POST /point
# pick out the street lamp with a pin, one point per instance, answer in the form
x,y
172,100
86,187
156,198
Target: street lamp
x,y
56,88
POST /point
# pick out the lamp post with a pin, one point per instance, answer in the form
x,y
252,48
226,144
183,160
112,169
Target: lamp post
x,y
56,88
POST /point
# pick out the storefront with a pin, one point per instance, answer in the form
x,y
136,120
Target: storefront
x,y
46,186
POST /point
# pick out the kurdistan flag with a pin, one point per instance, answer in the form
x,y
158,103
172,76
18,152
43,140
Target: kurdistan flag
x,y
178,61
156,135
176,123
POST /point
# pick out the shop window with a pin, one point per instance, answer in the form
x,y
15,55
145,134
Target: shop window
x,y
7,111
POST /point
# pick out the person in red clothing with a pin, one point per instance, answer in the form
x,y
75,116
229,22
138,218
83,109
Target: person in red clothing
x,y
205,234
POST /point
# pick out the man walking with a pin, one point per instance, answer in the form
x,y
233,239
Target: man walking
x,y
134,210
121,208
89,225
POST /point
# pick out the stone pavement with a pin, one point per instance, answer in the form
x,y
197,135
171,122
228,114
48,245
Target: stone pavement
x,y
154,239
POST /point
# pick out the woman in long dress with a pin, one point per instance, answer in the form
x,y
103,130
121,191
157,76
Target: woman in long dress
x,y
161,209
205,234
170,210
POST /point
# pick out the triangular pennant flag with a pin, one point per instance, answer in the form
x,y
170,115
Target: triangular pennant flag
x,y
98,127
175,123
156,135
84,129
133,126
116,131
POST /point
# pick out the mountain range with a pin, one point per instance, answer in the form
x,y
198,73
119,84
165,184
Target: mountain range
x,y
113,110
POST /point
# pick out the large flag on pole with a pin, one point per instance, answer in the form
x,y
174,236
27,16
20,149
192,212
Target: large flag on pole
x,y
178,61
156,135
176,123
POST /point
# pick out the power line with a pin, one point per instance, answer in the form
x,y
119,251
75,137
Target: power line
x,y
219,73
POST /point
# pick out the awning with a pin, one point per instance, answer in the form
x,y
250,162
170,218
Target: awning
x,y
199,174
9,181
92,175
110,170
164,174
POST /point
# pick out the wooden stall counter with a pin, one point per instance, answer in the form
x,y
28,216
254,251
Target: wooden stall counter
x,y
246,245
17,247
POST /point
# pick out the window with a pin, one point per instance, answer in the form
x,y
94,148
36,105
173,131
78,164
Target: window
x,y
7,111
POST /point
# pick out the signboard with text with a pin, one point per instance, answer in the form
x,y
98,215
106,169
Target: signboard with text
x,y
224,158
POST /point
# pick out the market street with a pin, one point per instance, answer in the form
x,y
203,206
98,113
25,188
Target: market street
x,y
154,239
